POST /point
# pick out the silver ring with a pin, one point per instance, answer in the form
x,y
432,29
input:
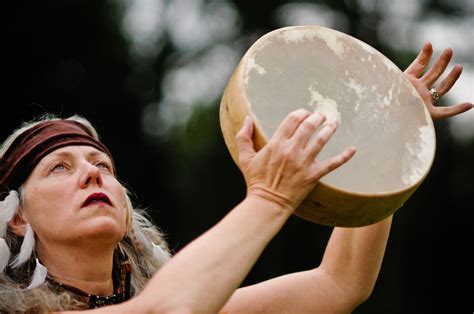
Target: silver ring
x,y
434,94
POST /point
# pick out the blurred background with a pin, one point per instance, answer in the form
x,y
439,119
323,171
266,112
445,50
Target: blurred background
x,y
149,74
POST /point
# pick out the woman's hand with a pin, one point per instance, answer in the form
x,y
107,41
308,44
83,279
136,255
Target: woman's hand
x,y
423,82
285,170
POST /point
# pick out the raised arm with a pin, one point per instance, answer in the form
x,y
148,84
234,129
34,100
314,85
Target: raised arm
x,y
204,274
353,256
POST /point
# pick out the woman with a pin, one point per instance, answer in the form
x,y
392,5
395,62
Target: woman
x,y
71,239
37,164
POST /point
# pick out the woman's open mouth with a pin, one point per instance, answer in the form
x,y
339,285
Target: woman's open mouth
x,y
97,199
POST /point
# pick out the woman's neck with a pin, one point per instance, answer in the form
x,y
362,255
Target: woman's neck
x,y
87,269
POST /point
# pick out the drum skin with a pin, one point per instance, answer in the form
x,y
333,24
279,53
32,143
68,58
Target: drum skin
x,y
337,200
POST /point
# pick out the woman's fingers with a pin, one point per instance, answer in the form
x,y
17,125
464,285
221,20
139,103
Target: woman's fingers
x,y
417,67
318,142
424,82
438,68
289,125
335,162
286,169
449,81
244,141
320,139
307,128
449,111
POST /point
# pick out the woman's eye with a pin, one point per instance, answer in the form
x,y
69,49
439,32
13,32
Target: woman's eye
x,y
103,165
58,167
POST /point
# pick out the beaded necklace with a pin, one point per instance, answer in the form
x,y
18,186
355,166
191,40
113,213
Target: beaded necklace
x,y
121,280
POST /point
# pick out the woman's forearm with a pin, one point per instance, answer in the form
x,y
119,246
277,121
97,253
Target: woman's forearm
x,y
353,257
204,274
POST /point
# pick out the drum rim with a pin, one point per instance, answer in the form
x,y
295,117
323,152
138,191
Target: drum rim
x,y
241,77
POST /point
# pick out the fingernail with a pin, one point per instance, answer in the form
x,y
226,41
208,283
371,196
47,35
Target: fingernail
x,y
332,122
247,120
325,119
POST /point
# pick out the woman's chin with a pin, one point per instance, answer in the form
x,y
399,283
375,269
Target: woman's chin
x,y
105,227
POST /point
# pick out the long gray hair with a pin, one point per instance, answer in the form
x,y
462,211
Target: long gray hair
x,y
143,244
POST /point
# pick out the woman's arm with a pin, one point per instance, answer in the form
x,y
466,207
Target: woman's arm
x,y
203,275
344,279
353,256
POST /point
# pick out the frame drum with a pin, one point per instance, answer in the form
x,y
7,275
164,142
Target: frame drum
x,y
380,113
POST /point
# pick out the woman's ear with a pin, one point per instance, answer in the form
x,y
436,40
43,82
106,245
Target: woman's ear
x,y
18,224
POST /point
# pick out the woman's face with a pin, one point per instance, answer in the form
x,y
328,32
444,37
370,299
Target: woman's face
x,y
73,195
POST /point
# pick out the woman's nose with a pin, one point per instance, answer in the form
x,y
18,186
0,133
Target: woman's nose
x,y
91,176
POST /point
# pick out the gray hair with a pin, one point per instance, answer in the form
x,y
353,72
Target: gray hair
x,y
144,244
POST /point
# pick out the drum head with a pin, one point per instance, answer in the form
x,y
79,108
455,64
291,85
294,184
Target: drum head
x,y
379,111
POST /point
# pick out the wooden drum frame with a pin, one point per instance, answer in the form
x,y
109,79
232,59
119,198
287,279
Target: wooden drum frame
x,y
380,113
